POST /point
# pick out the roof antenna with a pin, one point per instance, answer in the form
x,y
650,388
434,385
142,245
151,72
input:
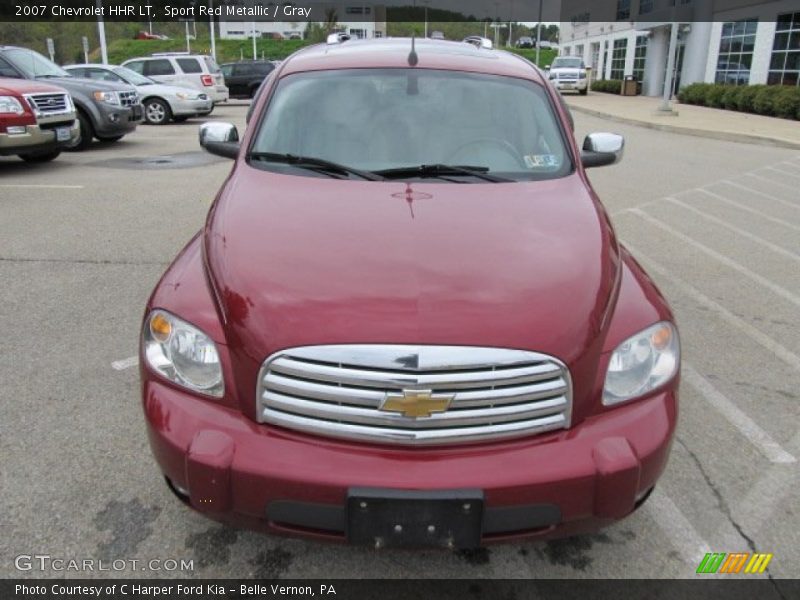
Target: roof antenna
x,y
413,59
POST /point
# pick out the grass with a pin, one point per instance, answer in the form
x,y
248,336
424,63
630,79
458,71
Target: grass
x,y
231,50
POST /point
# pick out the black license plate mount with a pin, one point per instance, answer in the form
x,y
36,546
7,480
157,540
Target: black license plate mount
x,y
415,518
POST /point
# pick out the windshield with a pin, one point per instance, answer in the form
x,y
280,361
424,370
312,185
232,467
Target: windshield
x,y
132,77
379,119
33,64
567,63
212,65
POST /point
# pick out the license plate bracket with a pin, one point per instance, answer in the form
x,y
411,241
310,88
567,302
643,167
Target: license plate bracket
x,y
62,134
415,518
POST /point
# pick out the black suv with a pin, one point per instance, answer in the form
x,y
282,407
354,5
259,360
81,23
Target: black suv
x,y
244,77
105,110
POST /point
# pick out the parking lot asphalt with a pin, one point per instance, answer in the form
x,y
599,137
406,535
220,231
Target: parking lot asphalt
x,y
84,239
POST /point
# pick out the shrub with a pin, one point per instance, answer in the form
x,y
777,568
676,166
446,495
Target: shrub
x,y
769,100
610,86
787,103
730,99
764,102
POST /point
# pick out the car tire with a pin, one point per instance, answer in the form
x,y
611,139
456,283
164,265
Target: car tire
x,y
40,157
156,112
583,92
86,133
111,138
180,119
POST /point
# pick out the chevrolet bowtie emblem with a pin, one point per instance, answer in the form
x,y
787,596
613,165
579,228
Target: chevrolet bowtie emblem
x,y
416,403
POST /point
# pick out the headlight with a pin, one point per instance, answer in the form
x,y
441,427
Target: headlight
x,y
182,353
642,363
582,75
553,76
107,97
10,105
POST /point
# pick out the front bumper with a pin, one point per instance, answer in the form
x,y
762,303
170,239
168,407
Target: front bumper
x,y
570,85
39,138
117,120
191,107
274,480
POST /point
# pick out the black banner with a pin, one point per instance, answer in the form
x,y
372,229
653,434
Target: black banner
x,y
733,588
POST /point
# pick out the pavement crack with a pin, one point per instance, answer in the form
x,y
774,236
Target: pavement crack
x,y
725,509
81,261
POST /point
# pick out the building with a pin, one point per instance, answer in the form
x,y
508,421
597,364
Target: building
x,y
735,42
363,21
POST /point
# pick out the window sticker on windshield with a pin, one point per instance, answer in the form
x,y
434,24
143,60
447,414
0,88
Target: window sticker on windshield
x,y
538,161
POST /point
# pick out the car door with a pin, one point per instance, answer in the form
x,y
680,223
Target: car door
x,y
161,70
239,80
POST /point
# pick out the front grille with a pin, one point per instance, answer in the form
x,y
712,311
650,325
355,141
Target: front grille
x,y
338,391
49,103
128,98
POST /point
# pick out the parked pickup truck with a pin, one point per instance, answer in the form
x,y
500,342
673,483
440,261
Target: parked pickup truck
x,y
37,120
106,111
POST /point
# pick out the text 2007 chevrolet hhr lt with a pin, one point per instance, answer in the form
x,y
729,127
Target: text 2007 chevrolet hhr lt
x,y
407,320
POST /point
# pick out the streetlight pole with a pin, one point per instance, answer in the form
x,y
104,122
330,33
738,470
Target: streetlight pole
x,y
101,32
213,34
255,56
539,33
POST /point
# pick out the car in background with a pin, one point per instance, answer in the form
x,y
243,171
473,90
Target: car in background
x,y
437,35
162,103
525,42
466,353
568,73
106,110
244,77
199,71
37,120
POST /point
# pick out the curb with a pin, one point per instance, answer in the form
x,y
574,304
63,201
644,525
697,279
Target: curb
x,y
715,135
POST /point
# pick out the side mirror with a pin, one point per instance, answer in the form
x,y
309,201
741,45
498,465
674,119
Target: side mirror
x,y
221,139
602,149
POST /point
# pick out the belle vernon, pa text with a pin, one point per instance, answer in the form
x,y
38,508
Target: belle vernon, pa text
x,y
180,590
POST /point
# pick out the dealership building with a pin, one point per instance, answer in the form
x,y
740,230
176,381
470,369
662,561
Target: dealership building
x,y
725,41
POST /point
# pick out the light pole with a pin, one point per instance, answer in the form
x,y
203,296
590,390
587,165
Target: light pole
x,y
426,3
539,33
255,57
101,32
213,34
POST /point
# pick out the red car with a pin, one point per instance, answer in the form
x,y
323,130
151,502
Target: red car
x,y
407,320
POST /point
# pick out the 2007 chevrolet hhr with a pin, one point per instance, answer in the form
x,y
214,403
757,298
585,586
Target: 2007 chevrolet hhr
x,y
407,320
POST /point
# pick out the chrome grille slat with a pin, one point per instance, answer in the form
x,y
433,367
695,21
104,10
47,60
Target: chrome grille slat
x,y
450,418
398,379
337,391
128,98
48,103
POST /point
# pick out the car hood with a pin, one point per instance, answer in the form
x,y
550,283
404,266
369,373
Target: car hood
x,y
84,85
167,90
303,260
26,86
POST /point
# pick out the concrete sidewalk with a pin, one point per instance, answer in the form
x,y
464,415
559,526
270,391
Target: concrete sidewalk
x,y
691,120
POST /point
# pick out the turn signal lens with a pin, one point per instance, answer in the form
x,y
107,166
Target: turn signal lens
x,y
160,328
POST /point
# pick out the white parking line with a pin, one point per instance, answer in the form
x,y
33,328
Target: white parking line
x,y
744,207
746,426
676,527
775,288
738,230
750,190
786,355
125,363
781,172
41,186
770,181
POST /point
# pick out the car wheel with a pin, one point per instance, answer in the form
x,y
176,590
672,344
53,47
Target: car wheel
x,y
85,135
156,112
37,157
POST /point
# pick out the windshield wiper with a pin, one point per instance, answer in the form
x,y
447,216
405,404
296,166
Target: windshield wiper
x,y
439,170
316,164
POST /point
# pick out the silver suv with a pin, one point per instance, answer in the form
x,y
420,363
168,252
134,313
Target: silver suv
x,y
199,71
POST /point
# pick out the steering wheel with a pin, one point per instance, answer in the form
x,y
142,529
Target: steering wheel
x,y
506,147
